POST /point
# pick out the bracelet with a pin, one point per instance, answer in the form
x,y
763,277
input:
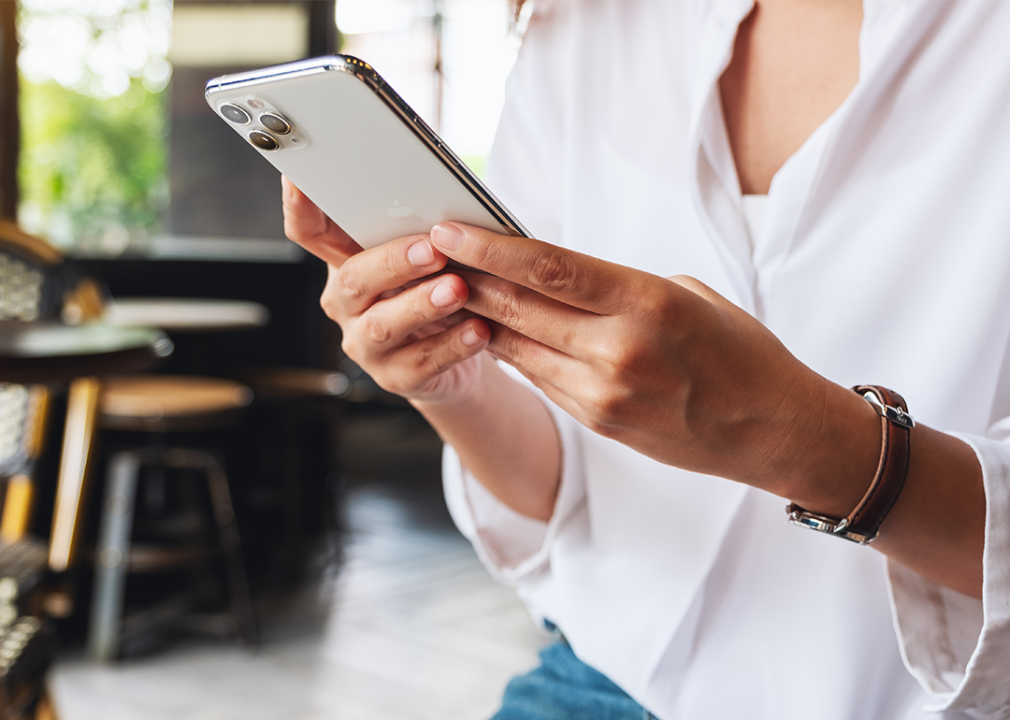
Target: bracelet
x,y
863,523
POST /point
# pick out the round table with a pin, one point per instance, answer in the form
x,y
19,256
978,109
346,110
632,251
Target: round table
x,y
187,314
45,352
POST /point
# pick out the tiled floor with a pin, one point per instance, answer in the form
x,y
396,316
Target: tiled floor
x,y
411,627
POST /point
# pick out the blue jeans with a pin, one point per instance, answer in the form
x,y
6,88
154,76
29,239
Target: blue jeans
x,y
565,688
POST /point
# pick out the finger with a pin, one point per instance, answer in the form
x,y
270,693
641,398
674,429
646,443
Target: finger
x,y
390,323
308,226
553,391
420,366
565,275
372,274
572,388
540,318
449,321
530,357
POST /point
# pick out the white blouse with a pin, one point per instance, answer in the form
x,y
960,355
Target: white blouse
x,y
883,257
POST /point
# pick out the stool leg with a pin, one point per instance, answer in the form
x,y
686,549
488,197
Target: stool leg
x,y
231,546
228,536
111,556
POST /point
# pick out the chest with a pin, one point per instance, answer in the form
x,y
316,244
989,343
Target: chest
x,y
793,64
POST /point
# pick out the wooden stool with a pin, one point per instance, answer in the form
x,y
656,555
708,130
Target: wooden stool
x,y
158,405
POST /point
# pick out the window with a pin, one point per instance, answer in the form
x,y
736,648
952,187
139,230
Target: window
x,y
120,154
93,130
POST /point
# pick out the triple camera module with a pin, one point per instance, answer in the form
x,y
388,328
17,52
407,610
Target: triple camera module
x,y
262,137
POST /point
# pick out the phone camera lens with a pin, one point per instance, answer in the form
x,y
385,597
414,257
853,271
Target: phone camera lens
x,y
275,123
263,141
235,114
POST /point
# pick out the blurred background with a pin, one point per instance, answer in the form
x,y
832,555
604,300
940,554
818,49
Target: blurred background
x,y
251,528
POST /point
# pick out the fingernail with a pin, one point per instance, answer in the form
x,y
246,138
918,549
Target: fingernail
x,y
470,337
443,295
420,254
447,236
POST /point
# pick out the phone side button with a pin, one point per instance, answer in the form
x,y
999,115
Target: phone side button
x,y
428,132
451,155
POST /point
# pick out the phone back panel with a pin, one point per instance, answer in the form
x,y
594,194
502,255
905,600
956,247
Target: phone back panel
x,y
355,157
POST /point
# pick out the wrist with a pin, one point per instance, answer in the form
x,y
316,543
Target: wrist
x,y
862,524
833,455
461,395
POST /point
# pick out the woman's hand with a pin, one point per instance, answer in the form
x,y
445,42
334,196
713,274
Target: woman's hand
x,y
406,329
672,369
665,366
400,324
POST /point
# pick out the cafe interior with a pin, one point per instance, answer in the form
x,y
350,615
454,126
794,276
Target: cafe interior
x,y
208,511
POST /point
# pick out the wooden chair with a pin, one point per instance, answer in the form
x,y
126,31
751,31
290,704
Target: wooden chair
x,y
34,285
46,287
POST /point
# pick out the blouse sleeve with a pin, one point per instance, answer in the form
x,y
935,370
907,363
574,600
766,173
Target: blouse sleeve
x,y
958,647
511,545
524,173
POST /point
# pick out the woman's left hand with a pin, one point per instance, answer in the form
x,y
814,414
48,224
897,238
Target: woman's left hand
x,y
666,366
674,370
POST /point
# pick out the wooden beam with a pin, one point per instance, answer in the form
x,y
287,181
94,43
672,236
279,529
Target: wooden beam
x,y
323,38
10,136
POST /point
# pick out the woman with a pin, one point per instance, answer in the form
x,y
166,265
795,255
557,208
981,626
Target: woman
x,y
820,179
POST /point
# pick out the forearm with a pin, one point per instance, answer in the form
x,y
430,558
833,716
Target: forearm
x,y
506,437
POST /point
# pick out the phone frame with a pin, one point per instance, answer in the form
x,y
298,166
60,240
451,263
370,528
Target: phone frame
x,y
363,71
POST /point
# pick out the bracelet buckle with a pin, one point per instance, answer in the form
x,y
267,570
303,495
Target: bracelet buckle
x,y
889,412
825,524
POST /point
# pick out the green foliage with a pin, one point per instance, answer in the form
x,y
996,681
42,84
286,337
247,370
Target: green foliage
x,y
89,164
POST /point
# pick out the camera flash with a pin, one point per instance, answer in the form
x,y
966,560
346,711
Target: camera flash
x,y
256,104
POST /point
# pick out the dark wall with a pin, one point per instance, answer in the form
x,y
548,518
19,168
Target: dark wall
x,y
298,334
220,187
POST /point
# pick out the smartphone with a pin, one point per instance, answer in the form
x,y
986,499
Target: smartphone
x,y
337,130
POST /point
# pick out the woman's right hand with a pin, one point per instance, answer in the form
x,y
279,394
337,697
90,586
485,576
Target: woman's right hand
x,y
400,322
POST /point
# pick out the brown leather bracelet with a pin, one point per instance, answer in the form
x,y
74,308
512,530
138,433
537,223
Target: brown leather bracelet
x,y
863,523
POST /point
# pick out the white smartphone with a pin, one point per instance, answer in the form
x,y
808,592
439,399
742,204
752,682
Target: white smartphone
x,y
337,130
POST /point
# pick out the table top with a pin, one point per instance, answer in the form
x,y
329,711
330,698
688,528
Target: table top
x,y
186,314
48,352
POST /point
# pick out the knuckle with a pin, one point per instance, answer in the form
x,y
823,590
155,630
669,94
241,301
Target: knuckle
x,y
618,358
509,308
509,345
483,254
610,406
553,270
377,332
428,362
350,285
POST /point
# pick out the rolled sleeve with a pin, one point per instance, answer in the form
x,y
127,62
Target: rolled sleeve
x,y
958,647
511,545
